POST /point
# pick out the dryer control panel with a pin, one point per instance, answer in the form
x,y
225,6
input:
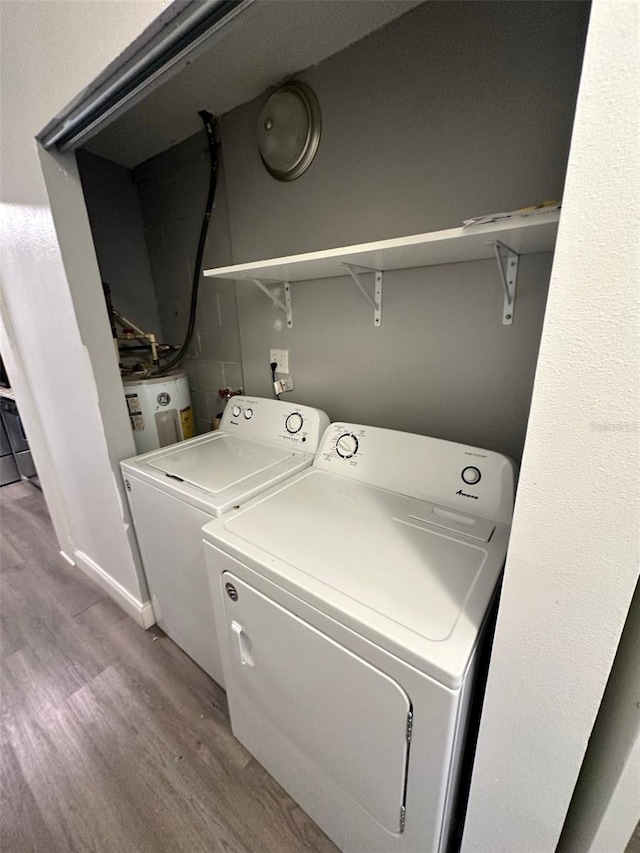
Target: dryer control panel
x,y
468,479
275,421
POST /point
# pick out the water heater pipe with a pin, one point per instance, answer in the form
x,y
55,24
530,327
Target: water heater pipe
x,y
141,335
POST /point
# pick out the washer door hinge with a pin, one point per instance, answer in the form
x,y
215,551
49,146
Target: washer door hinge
x,y
409,726
403,812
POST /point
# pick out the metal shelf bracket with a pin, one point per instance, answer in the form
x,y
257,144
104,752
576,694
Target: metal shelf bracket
x,y
509,277
285,306
376,302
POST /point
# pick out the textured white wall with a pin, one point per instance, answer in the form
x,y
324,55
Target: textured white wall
x,y
574,559
50,52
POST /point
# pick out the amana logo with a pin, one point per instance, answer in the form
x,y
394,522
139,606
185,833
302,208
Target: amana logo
x,y
466,495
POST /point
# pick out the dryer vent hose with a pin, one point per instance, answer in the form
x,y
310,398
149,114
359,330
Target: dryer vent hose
x,y
210,128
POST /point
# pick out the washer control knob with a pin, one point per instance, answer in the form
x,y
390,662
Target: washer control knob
x,y
235,411
294,422
248,413
347,445
471,475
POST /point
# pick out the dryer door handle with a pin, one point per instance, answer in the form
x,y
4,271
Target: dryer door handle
x,y
244,644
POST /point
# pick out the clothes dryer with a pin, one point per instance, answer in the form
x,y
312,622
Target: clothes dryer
x,y
350,603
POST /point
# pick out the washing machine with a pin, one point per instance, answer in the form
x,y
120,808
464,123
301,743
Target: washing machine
x,y
351,604
174,491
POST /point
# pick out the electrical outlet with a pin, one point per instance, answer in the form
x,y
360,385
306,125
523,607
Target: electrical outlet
x,y
281,358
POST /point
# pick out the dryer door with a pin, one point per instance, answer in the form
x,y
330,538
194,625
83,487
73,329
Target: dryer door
x,y
309,708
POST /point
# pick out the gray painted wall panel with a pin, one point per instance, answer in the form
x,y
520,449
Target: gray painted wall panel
x,y
115,215
456,109
441,363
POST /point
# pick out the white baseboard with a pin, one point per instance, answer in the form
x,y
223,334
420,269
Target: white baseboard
x,y
140,611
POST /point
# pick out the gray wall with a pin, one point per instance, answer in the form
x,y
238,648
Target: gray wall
x,y
440,364
173,188
113,206
454,110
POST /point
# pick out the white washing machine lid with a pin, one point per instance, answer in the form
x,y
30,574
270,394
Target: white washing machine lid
x,y
388,565
221,463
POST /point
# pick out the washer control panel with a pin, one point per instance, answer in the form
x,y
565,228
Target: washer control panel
x,y
456,476
294,423
347,445
275,422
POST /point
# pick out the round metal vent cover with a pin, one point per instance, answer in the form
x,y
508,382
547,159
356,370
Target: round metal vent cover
x,y
289,131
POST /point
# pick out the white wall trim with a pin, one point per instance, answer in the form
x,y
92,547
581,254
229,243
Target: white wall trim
x,y
140,611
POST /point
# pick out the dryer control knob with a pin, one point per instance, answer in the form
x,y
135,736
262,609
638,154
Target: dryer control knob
x,y
471,475
236,411
248,413
294,422
347,445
